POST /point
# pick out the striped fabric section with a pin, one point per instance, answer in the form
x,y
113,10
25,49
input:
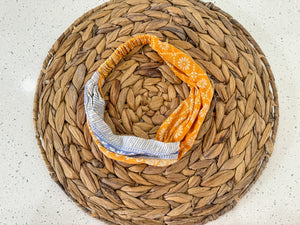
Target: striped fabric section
x,y
121,144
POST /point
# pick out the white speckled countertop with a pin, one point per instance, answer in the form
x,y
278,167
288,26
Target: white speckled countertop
x,y
27,193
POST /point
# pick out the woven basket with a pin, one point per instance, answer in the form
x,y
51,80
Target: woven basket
x,y
234,142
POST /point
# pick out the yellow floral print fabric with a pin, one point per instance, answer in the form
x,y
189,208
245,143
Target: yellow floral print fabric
x,y
184,123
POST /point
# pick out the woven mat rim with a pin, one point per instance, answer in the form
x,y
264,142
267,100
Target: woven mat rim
x,y
211,6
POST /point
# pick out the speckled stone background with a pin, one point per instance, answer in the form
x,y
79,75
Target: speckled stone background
x,y
28,28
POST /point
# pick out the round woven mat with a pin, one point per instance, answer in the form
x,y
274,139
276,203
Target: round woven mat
x,y
233,144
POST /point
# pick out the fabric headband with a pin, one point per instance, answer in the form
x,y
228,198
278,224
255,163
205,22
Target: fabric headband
x,y
177,133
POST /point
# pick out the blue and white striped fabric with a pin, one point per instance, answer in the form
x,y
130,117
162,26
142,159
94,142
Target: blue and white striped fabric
x,y
121,144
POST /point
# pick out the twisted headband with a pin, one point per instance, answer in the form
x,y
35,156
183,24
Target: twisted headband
x,y
177,133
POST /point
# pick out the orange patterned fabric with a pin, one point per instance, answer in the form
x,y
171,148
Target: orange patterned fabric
x,y
184,123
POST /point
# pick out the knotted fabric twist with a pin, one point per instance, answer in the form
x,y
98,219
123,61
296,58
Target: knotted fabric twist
x,y
177,133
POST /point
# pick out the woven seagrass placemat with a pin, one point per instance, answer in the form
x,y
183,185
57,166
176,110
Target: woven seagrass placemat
x,y
231,149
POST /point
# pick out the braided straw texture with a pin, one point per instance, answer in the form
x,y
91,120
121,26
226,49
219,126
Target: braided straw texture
x,y
234,142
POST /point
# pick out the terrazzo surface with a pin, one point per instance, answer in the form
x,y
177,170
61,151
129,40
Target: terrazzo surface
x,y
27,193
